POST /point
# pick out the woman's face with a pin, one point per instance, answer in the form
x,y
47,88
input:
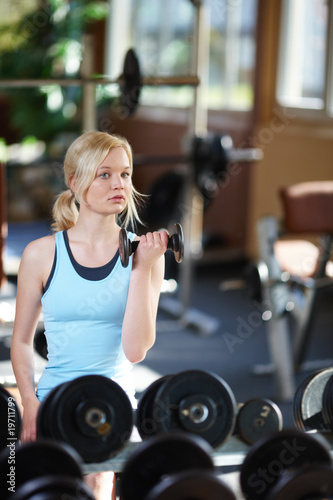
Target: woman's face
x,y
110,191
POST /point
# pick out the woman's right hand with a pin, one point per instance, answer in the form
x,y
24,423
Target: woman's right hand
x,y
29,421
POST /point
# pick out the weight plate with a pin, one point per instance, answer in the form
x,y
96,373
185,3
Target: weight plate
x,y
45,416
308,401
23,462
269,459
54,488
178,243
124,247
257,418
314,482
40,343
160,456
10,418
327,404
94,415
199,402
145,415
194,484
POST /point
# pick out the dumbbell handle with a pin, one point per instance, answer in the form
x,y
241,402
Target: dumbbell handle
x,y
127,247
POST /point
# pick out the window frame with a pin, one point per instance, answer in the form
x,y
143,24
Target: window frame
x,y
304,113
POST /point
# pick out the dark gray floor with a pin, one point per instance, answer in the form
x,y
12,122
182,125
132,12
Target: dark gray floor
x,y
178,349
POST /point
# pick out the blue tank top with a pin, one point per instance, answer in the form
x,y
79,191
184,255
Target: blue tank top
x,y
83,323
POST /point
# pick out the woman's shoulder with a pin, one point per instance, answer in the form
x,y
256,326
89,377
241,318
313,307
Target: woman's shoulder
x,y
41,248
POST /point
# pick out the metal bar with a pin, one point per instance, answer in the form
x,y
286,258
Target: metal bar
x,y
89,118
77,82
247,155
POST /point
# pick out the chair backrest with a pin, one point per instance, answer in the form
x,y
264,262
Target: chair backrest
x,y
308,207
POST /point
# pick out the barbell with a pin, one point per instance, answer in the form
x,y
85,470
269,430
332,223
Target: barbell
x,y
130,82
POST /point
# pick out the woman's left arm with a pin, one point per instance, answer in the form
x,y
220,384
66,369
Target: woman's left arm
x,y
139,325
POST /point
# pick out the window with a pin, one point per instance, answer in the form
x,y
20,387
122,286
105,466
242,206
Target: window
x,y
305,73
162,34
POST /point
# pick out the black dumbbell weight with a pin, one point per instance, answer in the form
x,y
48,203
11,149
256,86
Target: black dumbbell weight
x,y
313,482
274,456
177,466
308,402
193,401
146,415
40,343
92,413
10,418
256,418
127,247
40,467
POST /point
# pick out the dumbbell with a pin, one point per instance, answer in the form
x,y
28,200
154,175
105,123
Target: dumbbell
x,y
256,418
10,418
177,466
127,247
313,402
289,464
92,413
40,344
192,401
42,470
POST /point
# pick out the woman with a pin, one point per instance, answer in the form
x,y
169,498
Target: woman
x,y
99,317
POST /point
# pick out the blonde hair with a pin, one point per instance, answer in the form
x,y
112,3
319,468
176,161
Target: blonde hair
x,y
82,159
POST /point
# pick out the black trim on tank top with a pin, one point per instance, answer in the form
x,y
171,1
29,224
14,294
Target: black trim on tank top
x,y
47,284
91,273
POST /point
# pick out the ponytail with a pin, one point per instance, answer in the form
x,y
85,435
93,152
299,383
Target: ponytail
x,y
65,212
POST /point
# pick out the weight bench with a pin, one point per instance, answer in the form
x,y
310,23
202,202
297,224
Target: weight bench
x,y
308,210
297,255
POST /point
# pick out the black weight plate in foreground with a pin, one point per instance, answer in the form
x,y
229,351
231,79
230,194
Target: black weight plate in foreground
x,y
54,488
36,459
10,418
270,457
314,482
194,485
199,402
146,417
257,418
94,415
308,401
160,456
328,404
45,429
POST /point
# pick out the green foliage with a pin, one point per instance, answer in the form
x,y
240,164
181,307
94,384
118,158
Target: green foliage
x,y
45,42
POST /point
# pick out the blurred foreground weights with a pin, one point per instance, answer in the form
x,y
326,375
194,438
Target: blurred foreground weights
x,y
42,471
288,465
176,466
